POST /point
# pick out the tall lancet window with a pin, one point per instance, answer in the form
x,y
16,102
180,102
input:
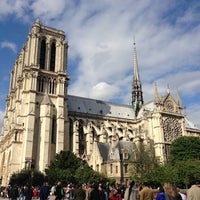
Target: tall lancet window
x,y
82,141
71,131
53,57
53,130
40,83
42,54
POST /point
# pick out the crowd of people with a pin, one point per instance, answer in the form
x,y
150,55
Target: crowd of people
x,y
96,191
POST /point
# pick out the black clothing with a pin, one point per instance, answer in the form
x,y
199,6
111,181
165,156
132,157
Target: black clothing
x,y
94,195
28,193
13,193
58,192
44,192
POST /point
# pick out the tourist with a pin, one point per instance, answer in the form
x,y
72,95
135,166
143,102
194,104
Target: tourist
x,y
28,193
79,193
146,193
170,192
130,192
193,192
13,192
94,195
44,191
59,192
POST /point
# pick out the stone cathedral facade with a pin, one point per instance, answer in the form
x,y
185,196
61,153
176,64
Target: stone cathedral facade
x,y
41,118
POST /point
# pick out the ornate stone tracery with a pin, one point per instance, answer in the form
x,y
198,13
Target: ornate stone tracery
x,y
172,129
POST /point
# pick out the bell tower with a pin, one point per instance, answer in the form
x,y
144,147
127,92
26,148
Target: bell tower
x,y
35,122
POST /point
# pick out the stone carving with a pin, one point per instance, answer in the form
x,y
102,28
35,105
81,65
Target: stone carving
x,y
172,129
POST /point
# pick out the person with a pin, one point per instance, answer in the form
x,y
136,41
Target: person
x,y
59,191
113,194
130,192
107,188
176,193
35,193
88,190
69,192
44,191
160,193
193,192
183,196
21,193
28,193
79,193
94,194
13,193
146,193
102,192
169,193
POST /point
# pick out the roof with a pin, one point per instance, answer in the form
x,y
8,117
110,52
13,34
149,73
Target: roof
x,y
98,107
118,149
103,108
103,149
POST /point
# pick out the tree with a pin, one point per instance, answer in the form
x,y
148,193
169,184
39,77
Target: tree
x,y
185,158
67,167
143,162
185,148
27,177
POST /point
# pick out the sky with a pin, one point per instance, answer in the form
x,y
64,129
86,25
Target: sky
x,y
101,34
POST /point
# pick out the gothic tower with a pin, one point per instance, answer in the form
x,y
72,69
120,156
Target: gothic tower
x,y
137,95
35,120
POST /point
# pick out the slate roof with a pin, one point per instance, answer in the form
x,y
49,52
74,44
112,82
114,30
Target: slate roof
x,y
103,108
98,107
105,150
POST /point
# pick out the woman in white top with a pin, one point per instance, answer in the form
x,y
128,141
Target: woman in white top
x,y
131,191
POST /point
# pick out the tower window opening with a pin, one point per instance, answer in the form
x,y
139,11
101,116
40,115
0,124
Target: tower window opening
x,y
53,57
53,131
52,86
40,84
42,54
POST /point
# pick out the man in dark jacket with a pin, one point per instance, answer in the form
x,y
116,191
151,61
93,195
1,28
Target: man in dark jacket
x,y
13,193
94,195
28,193
44,191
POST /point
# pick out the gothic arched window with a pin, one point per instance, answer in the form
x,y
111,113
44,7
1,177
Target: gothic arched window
x,y
52,86
82,142
42,54
40,83
53,57
53,130
71,131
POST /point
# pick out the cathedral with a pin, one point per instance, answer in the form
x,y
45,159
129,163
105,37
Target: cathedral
x,y
41,118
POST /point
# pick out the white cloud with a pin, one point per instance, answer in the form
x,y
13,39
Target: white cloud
x,y
100,35
48,10
20,9
10,45
103,91
193,112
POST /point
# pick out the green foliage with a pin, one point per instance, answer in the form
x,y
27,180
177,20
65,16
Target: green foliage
x,y
185,148
27,177
182,166
144,162
67,167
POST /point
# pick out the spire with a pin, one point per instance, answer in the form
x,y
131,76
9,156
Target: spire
x,y
168,88
137,97
156,97
179,100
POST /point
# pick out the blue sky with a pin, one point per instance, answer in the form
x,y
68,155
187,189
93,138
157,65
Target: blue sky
x,y
100,35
